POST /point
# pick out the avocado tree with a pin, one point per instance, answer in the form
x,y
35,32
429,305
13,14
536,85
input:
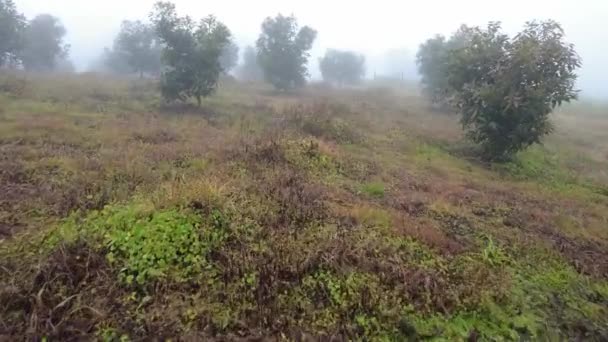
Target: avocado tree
x,y
136,47
191,53
12,25
44,45
505,88
283,51
342,67
431,60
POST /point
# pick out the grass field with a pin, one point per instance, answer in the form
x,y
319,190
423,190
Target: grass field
x,y
355,214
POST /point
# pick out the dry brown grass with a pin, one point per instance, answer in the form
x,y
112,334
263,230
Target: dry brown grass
x,y
358,214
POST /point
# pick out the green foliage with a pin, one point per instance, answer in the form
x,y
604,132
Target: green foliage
x,y
505,88
191,53
432,63
506,109
283,51
354,303
373,189
342,67
430,60
542,165
166,244
137,47
493,255
548,168
12,25
44,44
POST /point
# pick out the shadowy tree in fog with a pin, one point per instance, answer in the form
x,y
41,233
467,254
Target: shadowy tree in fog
x,y
191,53
342,67
113,61
229,57
505,88
283,51
137,47
44,44
432,66
12,25
250,70
432,63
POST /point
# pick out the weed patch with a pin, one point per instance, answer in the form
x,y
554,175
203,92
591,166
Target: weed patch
x,y
374,189
163,245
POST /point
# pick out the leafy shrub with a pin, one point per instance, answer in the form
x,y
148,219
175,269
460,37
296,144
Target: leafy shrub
x,y
505,88
166,244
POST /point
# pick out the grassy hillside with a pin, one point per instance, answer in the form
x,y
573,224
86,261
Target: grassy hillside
x,y
345,214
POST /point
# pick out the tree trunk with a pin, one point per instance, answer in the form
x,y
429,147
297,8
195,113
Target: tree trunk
x,y
198,100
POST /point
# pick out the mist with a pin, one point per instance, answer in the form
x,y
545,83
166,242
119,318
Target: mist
x,y
388,33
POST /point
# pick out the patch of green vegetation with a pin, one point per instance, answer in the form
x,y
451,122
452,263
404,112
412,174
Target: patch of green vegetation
x,y
373,189
429,152
170,244
353,302
539,164
548,168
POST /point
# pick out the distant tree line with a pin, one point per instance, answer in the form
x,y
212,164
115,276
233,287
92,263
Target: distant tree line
x,y
189,56
35,44
504,88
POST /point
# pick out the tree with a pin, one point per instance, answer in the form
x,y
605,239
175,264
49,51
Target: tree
x,y
191,53
283,51
432,63
113,61
138,47
12,25
342,67
250,70
505,88
229,57
44,44
431,58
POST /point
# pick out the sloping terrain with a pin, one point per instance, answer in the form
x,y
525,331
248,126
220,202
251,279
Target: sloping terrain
x,y
331,214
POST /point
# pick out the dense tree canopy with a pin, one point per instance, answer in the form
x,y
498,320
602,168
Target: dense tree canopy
x,y
12,25
342,67
191,53
44,45
505,88
431,60
283,51
137,47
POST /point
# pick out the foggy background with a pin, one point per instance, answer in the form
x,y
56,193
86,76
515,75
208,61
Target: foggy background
x,y
387,32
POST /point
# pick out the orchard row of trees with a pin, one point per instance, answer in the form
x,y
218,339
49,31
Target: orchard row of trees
x,y
35,44
280,56
191,55
504,88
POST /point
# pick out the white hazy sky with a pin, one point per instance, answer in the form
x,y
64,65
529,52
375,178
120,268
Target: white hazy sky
x,y
371,27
